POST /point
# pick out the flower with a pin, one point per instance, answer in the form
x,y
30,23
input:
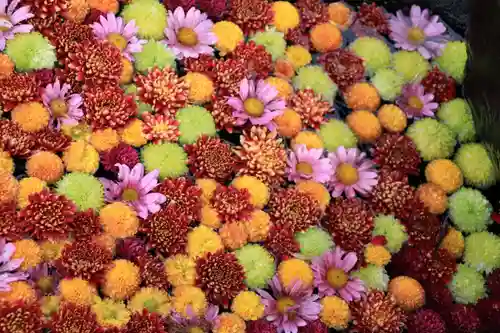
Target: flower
x,y
248,306
258,264
74,318
121,280
8,266
169,158
152,271
192,321
295,270
482,251
52,140
189,34
343,66
31,117
440,84
470,210
415,102
397,152
250,15
232,204
453,59
150,17
312,12
418,32
135,188
457,114
10,19
306,163
462,319
468,285
335,133
110,313
121,35
426,321
64,109
152,299
180,270
84,190
160,128
281,243
21,316
314,242
407,292
84,259
256,59
289,307
229,323
373,16
31,51
476,165
335,312
309,106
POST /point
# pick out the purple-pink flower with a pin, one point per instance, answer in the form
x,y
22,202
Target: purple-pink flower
x,y
289,307
10,19
9,266
258,103
134,188
193,322
331,275
352,172
415,102
308,164
65,109
189,34
418,32
122,35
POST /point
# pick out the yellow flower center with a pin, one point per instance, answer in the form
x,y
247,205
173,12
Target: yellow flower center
x,y
117,40
284,303
416,35
253,107
4,18
59,107
304,168
187,37
337,278
45,284
347,174
130,194
196,330
415,102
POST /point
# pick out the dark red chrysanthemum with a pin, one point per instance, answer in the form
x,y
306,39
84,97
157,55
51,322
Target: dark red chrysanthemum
x,y
231,204
438,297
425,321
65,35
220,276
18,88
52,140
423,227
94,15
184,195
145,322
184,4
47,215
222,113
281,242
121,154
74,318
20,317
255,57
260,326
488,310
44,25
211,158
84,259
108,107
343,66
462,319
310,107
44,76
314,327
396,152
10,227
86,225
213,8
228,75
373,16
203,64
250,15
131,248
14,140
152,271
377,313
441,85
47,8
494,283
312,12
298,37
350,221
294,210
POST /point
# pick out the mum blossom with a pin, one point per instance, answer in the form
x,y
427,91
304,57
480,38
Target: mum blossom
x,y
134,188
418,32
415,102
65,109
9,266
123,36
189,34
192,322
10,19
289,308
258,102
331,275
352,172
310,164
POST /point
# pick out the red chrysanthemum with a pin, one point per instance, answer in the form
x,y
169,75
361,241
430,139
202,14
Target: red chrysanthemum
x,y
47,8
220,276
203,64
222,113
314,327
122,154
184,195
343,66
74,318
108,107
14,140
255,57
396,152
260,326
373,16
488,310
228,75
213,8
494,283
152,271
9,222
425,321
163,90
160,128
298,37
310,107
94,15
423,227
44,76
131,248
441,85
184,4
312,12
86,225
250,15
211,158
20,317
438,297
52,140
84,259
350,221
231,204
281,242
377,312
167,230
294,210
145,322
18,88
44,25
47,215
462,319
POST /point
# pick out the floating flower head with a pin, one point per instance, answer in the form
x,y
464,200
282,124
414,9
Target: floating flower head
x,y
192,322
306,163
415,102
8,266
120,34
258,102
10,19
331,275
352,172
64,108
289,308
189,34
418,32
135,188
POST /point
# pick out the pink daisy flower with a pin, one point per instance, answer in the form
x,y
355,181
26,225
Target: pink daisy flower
x,y
189,34
64,108
9,266
10,19
415,102
331,275
123,36
310,164
352,173
135,188
258,103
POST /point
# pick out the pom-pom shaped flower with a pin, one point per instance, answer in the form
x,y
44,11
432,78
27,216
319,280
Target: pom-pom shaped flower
x,y
153,54
273,41
476,165
52,140
375,52
433,139
453,59
258,265
393,232
150,17
315,78
470,211
415,102
11,17
335,133
482,251
194,122
410,65
314,242
306,163
309,107
467,286
462,319
458,116
9,265
84,190
31,51
65,108
352,173
396,152
169,158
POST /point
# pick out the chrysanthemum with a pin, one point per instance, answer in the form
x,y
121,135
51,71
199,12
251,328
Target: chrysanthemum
x,y
255,58
373,16
18,88
426,321
52,140
20,317
462,319
65,108
397,152
152,271
14,140
306,163
310,107
160,128
438,83
145,322
419,31
84,259
228,74
422,226
312,12
111,314
343,66
250,15
192,321
415,102
73,318
222,113
10,228
11,19
121,154
232,204
66,34
281,243
9,265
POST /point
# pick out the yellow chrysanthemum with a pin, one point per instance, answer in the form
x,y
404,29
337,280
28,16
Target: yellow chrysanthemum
x,y
407,292
122,280
208,187
106,139
111,314
19,291
335,312
8,187
32,116
50,305
445,174
46,166
77,11
259,192
77,291
127,71
229,35
309,139
453,242
248,306
258,226
180,270
377,255
28,186
283,87
340,14
203,240
298,55
81,157
229,323
286,16
132,134
152,299
29,251
209,217
365,125
52,249
234,235
289,123
392,118
292,270
201,87
316,190
189,296
119,220
6,162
